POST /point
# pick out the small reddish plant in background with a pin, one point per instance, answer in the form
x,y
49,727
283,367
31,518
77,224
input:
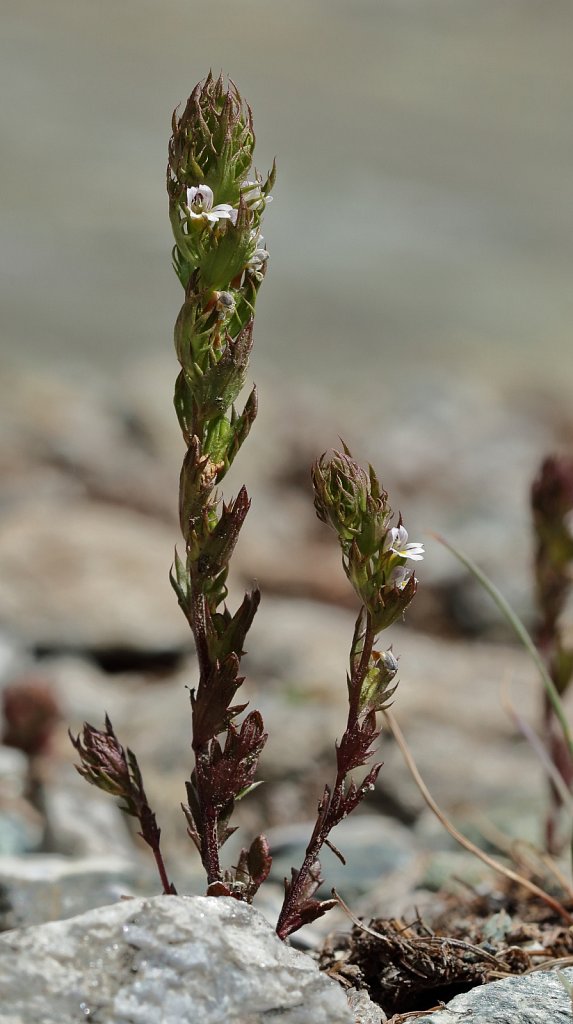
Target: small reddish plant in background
x,y
30,713
552,508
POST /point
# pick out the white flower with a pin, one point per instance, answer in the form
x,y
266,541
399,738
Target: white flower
x,y
397,541
200,206
253,196
400,577
256,264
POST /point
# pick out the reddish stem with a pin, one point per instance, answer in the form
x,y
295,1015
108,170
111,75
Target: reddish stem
x,y
198,625
168,887
322,829
547,645
207,825
151,833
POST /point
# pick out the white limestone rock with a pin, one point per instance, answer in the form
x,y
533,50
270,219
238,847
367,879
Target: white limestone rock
x,y
364,1010
538,998
174,960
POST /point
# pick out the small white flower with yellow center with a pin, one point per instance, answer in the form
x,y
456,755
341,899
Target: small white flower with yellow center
x,y
400,577
397,541
200,206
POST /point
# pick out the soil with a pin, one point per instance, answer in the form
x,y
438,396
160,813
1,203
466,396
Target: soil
x,y
413,967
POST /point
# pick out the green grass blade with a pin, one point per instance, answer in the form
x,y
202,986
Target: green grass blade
x,y
520,631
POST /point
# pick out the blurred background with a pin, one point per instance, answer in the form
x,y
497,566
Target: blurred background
x,y
423,215
421,234
418,303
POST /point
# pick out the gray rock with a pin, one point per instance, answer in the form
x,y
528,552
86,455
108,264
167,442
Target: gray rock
x,y
85,575
538,998
13,773
60,438
47,887
82,821
373,846
194,960
12,659
21,827
364,1010
20,831
302,644
467,749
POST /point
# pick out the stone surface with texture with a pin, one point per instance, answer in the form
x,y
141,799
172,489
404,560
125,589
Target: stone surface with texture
x,y
197,960
538,998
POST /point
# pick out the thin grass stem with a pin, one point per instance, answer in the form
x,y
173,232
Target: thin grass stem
x,y
520,631
534,889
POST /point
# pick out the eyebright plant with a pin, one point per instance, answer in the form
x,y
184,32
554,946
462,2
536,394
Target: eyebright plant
x,y
216,206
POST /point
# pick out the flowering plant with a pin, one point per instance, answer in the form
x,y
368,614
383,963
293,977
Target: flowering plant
x,y
216,206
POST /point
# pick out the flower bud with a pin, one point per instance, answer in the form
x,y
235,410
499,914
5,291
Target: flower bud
x,y
212,142
104,761
224,304
376,690
373,553
390,602
350,500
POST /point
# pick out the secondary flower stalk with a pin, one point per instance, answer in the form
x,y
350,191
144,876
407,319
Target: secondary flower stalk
x,y
110,767
374,556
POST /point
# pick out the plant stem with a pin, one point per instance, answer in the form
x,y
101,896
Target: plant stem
x,y
359,674
209,837
326,821
199,632
168,887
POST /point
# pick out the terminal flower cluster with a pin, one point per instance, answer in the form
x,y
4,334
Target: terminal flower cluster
x,y
374,553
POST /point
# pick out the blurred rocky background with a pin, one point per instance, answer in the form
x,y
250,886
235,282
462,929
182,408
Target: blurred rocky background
x,y
418,303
